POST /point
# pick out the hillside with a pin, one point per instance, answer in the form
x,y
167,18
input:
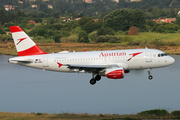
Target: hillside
x,y
97,8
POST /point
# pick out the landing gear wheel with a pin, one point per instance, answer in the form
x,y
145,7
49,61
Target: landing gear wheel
x,y
150,77
92,81
97,77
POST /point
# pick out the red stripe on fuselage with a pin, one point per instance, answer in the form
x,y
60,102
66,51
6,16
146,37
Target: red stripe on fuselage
x,y
15,29
35,50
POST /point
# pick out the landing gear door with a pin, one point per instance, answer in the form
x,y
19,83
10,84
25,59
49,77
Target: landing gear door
x,y
148,56
45,62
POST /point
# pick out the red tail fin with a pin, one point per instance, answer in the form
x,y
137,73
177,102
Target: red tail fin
x,y
24,44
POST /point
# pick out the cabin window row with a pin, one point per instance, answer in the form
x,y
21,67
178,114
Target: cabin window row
x,y
86,59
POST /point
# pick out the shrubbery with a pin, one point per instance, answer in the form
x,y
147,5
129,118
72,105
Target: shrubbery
x,y
107,38
5,38
165,28
157,112
176,113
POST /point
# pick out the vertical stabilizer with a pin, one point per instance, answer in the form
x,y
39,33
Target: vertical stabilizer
x,y
24,44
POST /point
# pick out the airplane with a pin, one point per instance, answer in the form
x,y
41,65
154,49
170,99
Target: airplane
x,y
113,64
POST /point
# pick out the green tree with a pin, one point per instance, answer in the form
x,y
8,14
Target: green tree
x,y
105,31
74,25
2,31
83,37
3,17
124,19
42,32
165,28
84,20
177,21
57,38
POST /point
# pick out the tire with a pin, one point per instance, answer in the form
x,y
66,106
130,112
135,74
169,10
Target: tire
x,y
150,77
97,77
92,81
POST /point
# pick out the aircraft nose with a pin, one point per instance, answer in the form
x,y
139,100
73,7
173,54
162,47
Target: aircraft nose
x,y
171,60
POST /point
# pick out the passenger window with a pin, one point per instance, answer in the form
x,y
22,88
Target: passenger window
x,y
159,55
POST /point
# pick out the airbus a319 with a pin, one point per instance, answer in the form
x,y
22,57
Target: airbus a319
x,y
113,64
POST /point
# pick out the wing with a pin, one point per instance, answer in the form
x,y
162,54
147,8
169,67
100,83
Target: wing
x,y
91,68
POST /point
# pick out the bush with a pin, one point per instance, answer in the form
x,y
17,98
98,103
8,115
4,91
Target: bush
x,y
42,32
9,24
165,28
158,112
176,113
77,30
56,38
105,31
134,43
38,113
5,38
92,35
83,37
100,39
71,39
39,38
2,31
133,31
66,33
158,42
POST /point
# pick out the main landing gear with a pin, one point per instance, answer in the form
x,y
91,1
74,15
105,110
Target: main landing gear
x,y
94,79
150,76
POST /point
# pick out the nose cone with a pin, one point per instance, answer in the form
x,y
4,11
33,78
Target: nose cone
x,y
171,60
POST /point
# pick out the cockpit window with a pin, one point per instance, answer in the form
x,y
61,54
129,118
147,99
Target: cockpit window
x,y
162,54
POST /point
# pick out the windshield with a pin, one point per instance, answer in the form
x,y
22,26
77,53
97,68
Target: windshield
x,y
162,54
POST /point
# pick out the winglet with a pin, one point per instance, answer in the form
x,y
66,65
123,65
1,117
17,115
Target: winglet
x,y
24,44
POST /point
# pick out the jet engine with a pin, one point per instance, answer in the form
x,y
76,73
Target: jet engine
x,y
115,73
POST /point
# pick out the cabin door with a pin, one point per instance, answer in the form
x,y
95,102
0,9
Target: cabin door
x,y
148,56
45,61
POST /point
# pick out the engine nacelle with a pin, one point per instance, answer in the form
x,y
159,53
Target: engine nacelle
x,y
116,73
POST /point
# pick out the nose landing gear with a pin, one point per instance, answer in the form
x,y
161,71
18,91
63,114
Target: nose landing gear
x,y
150,76
94,79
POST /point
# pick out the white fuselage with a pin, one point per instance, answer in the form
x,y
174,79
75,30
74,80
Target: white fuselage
x,y
127,59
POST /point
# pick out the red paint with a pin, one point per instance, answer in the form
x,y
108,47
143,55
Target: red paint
x,y
15,29
117,74
84,50
59,64
112,54
20,40
35,50
133,55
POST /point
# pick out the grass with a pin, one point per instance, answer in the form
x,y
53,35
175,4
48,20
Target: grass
x,y
168,43
149,114
171,39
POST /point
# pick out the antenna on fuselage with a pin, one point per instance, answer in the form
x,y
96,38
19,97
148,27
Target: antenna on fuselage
x,y
146,47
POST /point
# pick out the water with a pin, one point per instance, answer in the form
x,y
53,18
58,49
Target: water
x,y
24,89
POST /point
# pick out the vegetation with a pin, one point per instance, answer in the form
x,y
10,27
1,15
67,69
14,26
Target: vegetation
x,y
97,9
149,114
114,24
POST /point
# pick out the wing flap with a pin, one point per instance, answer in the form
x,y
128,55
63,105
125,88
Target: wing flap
x,y
90,68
